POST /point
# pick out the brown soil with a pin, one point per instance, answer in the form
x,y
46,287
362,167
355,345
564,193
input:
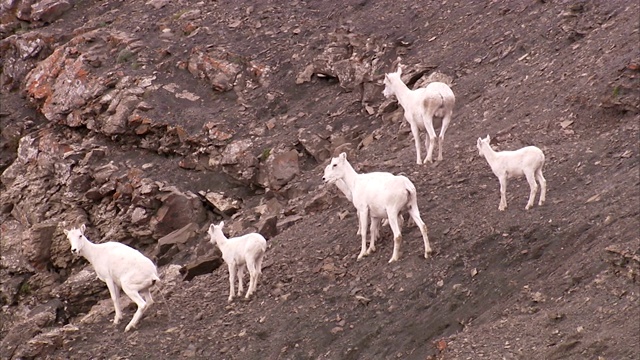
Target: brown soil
x,y
547,283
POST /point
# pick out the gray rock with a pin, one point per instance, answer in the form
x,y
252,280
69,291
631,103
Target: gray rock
x,y
37,244
268,227
49,10
22,332
201,266
283,168
177,211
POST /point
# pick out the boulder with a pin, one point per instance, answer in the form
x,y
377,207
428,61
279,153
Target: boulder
x,y
283,168
49,10
177,238
222,203
177,211
200,266
81,291
215,66
37,244
314,144
268,227
22,332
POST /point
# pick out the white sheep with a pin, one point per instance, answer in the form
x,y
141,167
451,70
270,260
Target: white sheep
x,y
121,267
240,252
420,106
342,186
506,164
378,195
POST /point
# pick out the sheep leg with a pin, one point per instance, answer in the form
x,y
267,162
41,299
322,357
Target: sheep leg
x,y
397,236
543,186
142,306
533,186
232,279
415,215
375,226
114,291
431,133
146,295
258,272
427,144
253,277
415,131
445,124
240,276
503,193
363,217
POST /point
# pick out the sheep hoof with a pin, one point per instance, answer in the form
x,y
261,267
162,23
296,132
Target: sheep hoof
x,y
129,327
392,260
230,299
360,256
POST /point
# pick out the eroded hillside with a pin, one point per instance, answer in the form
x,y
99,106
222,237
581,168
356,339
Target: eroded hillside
x,y
149,120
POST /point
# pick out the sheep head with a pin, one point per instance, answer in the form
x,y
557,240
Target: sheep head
x,y
335,170
76,238
480,143
214,232
389,79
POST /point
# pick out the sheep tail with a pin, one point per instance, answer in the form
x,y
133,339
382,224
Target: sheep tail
x,y
155,279
413,194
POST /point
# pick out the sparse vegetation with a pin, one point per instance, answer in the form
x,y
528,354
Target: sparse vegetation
x,y
125,55
265,154
25,288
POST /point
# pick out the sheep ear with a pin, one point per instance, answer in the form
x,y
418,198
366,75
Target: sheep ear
x,y
66,232
221,224
83,228
399,69
343,156
488,138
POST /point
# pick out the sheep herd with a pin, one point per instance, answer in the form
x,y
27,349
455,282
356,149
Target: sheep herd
x,y
377,196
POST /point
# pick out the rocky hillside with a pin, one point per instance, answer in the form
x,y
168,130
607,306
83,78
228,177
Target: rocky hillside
x,y
148,120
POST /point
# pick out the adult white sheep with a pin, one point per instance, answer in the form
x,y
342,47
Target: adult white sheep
x,y
378,195
121,267
342,186
420,106
240,252
506,164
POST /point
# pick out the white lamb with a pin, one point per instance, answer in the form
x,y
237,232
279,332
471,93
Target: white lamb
x,y
420,106
121,267
240,252
506,164
378,195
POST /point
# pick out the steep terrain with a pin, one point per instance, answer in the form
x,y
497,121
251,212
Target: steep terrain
x,y
149,120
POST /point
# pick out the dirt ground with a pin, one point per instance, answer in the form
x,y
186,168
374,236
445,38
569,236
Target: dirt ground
x,y
559,281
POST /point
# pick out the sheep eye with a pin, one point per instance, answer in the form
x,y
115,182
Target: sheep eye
x,y
334,165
